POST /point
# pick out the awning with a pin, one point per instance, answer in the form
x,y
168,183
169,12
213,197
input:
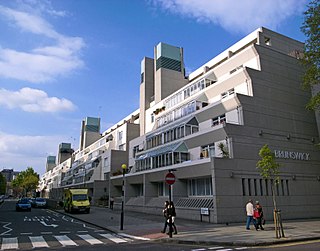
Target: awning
x,y
175,147
210,75
202,98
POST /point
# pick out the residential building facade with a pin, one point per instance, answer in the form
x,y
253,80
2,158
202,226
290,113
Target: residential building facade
x,y
207,128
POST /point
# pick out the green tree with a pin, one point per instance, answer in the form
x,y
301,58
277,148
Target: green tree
x,y
269,170
311,59
26,180
3,184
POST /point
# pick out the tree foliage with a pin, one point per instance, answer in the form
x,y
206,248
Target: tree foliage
x,y
311,59
3,184
27,180
267,166
269,169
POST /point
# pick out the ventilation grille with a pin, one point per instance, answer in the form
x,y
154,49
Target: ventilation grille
x,y
195,203
168,63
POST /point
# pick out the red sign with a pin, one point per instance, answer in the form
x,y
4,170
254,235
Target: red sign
x,y
170,178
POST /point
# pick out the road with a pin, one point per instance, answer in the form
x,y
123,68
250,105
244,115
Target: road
x,y
294,246
43,229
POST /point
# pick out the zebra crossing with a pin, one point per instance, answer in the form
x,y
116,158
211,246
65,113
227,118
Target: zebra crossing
x,y
63,240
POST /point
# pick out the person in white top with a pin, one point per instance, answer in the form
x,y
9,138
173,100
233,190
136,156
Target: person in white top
x,y
249,210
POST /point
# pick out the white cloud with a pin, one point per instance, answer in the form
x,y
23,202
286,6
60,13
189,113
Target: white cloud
x,y
44,63
33,100
19,152
236,16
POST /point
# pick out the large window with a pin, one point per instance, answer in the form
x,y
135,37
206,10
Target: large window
x,y
161,160
172,134
200,187
207,151
163,189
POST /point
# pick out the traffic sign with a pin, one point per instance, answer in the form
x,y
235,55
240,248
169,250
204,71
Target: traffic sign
x,y
170,178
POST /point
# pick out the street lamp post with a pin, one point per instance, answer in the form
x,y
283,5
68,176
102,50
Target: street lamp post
x,y
124,167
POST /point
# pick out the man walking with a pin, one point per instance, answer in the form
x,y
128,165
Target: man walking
x,y
249,210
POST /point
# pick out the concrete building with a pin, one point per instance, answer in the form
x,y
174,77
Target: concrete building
x,y
99,156
209,127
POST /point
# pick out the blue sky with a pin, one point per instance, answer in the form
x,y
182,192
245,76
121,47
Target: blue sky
x,y
64,60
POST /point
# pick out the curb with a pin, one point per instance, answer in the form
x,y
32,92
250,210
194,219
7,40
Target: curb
x,y
240,243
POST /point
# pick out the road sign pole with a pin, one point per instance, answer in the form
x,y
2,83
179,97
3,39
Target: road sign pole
x,y
170,217
170,179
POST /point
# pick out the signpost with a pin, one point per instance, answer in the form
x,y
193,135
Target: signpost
x,y
170,180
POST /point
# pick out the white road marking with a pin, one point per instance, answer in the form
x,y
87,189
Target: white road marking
x,y
241,248
134,237
46,225
90,239
6,227
46,233
113,238
65,240
9,243
30,233
82,231
65,232
213,248
199,249
38,242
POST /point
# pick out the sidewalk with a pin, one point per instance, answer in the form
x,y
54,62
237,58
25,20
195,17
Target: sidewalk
x,y
149,226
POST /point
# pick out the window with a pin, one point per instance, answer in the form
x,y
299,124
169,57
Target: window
x,y
135,150
138,188
267,41
200,187
152,117
218,120
255,187
120,135
163,189
106,161
207,151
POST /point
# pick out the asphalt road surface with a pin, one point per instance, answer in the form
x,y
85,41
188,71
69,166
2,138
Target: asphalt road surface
x,y
44,229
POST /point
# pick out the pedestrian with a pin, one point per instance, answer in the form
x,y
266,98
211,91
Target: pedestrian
x,y
171,216
249,211
258,215
111,203
165,214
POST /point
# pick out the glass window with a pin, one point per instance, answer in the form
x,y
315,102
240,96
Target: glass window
x,y
163,189
200,187
120,135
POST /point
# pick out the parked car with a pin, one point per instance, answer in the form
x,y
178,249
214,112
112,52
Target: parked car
x,y
41,202
32,202
23,204
1,199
